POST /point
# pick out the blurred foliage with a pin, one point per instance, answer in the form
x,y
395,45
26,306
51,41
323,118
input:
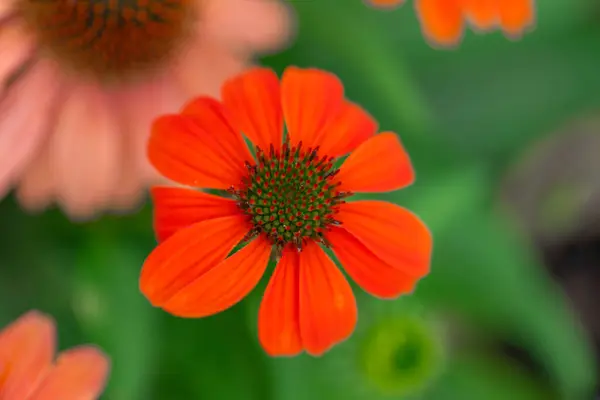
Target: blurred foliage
x,y
465,116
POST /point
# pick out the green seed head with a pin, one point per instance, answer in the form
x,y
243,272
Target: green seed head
x,y
290,195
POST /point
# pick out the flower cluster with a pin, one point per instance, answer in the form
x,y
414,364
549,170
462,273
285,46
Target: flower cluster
x,y
270,167
443,21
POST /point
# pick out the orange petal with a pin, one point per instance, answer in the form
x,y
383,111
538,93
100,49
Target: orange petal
x,y
212,117
516,16
79,373
368,271
198,148
386,3
328,312
347,131
26,352
224,285
177,208
379,165
278,316
254,101
311,99
187,254
395,235
441,21
483,14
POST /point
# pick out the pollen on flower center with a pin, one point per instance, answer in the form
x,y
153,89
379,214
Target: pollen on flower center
x,y
108,39
290,196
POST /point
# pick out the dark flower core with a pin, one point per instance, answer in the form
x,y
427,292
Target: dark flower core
x,y
108,38
290,196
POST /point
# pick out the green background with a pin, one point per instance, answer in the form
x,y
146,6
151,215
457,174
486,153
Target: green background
x,y
466,116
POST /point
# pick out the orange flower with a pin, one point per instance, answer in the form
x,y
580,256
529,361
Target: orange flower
x,y
443,21
386,3
289,199
27,370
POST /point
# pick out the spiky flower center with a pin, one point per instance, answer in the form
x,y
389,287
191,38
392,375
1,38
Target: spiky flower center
x,y
290,195
109,39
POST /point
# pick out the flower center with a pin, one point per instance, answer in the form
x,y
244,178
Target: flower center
x,y
290,196
109,39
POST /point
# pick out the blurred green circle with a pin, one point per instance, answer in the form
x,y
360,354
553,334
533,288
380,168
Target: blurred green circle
x,y
400,356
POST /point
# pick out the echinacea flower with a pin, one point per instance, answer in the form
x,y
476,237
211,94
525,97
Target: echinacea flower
x,y
289,200
28,370
443,21
81,81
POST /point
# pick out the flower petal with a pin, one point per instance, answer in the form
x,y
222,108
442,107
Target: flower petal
x,y
211,116
379,165
347,131
368,271
129,191
6,8
516,16
138,113
482,14
224,285
198,148
310,98
441,21
38,183
80,373
177,208
17,45
21,136
386,3
86,151
26,351
328,312
187,254
247,26
395,235
278,316
253,100
204,65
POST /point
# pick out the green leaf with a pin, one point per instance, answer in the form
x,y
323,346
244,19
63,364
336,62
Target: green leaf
x,y
115,314
486,270
213,358
471,377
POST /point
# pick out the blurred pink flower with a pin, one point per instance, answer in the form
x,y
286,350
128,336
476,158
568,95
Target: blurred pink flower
x,y
28,370
80,82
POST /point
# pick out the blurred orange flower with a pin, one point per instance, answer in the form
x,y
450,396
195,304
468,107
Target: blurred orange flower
x,y
443,21
288,200
386,3
81,81
28,370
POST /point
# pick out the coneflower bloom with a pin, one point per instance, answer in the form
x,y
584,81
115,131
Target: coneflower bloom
x,y
28,370
289,200
443,21
81,81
